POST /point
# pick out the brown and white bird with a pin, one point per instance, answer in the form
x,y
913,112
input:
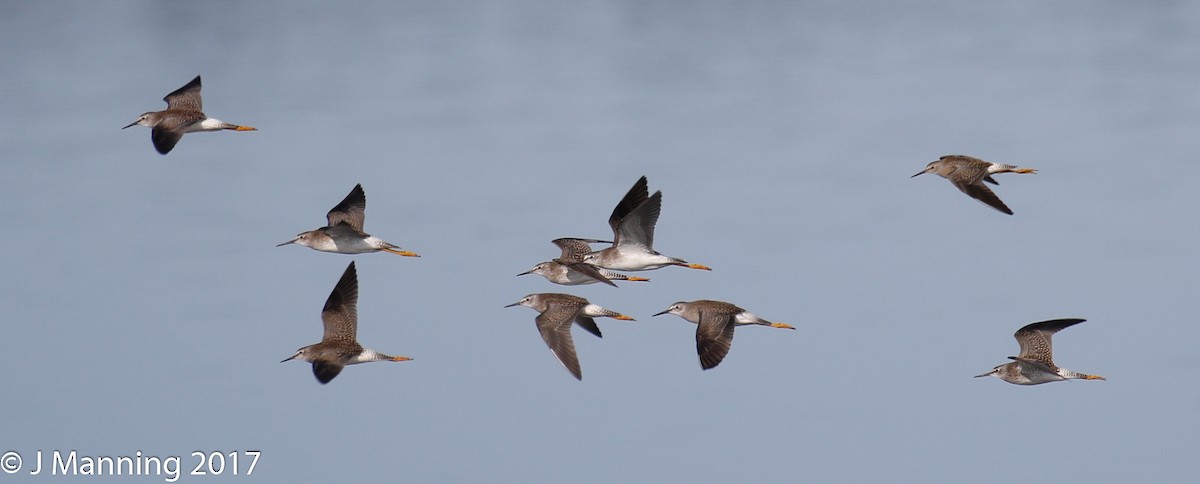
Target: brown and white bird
x,y
184,114
569,269
344,233
556,313
632,223
715,321
1035,364
339,346
968,174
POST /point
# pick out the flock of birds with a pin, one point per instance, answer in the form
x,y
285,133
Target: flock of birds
x,y
631,249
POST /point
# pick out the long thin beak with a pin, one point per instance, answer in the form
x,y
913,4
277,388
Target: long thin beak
x,y
290,358
922,172
288,242
985,374
526,272
661,313
513,304
131,124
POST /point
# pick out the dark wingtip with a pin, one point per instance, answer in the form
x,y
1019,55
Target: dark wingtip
x,y
193,83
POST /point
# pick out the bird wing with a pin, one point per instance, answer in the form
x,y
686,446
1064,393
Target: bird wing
x,y
164,139
555,326
351,211
325,371
1029,366
637,227
573,249
636,196
714,335
1035,339
186,98
588,323
340,314
981,192
588,270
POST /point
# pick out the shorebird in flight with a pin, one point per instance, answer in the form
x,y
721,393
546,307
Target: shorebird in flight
x,y
183,115
1035,364
968,174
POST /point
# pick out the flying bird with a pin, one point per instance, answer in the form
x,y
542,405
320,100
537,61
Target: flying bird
x,y
569,269
343,234
339,347
556,313
1035,364
715,321
968,174
632,223
183,115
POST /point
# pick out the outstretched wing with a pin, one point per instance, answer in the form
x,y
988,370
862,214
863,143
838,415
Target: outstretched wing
x,y
636,196
637,227
340,314
981,192
351,210
555,327
186,98
554,324
714,336
1035,339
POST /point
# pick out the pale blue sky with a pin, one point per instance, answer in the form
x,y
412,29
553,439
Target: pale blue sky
x,y
146,307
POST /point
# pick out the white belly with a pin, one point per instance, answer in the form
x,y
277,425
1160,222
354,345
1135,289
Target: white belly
x,y
637,260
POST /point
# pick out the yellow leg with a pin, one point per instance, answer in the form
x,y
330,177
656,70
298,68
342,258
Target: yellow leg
x,y
404,253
